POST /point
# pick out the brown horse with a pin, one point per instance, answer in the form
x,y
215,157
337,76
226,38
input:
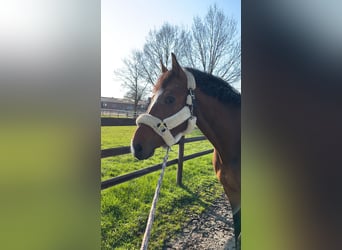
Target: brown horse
x,y
182,98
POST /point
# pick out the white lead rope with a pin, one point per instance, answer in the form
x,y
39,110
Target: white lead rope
x,y
147,234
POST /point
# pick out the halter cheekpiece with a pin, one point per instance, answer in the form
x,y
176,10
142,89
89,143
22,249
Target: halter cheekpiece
x,y
163,127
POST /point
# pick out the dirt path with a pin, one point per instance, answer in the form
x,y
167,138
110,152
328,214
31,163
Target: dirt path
x,y
211,230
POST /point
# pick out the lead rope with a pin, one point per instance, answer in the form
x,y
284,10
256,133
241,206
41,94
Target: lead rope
x,y
147,234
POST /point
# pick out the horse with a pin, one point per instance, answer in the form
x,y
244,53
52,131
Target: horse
x,y
186,97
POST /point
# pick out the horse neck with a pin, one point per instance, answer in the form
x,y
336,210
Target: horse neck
x,y
220,124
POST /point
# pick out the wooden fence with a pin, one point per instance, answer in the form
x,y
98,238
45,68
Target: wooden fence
x,y
126,150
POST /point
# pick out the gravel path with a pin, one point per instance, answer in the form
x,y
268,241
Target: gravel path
x,y
213,229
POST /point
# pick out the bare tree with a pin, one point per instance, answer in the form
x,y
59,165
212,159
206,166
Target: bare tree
x,y
211,45
215,46
132,78
158,47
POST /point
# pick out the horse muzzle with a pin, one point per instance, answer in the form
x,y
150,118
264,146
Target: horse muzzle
x,y
140,152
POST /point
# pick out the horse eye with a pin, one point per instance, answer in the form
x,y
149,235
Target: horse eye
x,y
169,100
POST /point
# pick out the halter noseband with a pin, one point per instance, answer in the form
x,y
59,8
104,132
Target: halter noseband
x,y
163,127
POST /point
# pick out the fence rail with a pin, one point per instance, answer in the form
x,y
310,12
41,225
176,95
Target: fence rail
x,y
109,152
107,121
115,151
126,150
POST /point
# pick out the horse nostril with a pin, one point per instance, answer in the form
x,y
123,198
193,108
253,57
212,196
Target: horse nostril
x,y
138,148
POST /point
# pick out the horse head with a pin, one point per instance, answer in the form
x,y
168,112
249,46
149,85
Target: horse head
x,y
168,114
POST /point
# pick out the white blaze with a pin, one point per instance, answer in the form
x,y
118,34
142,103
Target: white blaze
x,y
154,99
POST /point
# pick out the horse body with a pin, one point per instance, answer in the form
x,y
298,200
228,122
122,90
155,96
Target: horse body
x,y
217,108
221,124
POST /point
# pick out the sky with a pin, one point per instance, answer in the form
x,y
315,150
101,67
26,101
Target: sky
x,y
125,25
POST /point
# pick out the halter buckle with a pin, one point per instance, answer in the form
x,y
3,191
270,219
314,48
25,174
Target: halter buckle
x,y
162,127
192,95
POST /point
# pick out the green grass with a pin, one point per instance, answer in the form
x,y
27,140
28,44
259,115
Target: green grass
x,y
118,136
125,207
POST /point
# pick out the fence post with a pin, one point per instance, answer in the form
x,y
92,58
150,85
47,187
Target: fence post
x,y
180,161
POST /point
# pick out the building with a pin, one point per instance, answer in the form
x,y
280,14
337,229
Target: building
x,y
110,105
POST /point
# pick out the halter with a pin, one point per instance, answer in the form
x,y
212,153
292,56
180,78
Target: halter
x,y
163,127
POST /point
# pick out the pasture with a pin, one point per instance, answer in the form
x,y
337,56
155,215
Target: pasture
x,y
125,207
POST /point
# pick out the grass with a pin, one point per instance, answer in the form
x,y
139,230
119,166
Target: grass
x,y
125,207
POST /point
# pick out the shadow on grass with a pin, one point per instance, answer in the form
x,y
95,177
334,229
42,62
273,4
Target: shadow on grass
x,y
194,195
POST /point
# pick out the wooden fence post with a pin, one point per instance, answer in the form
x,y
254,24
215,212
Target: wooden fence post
x,y
180,161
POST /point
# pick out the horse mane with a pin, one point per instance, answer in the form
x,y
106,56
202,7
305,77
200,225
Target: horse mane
x,y
215,87
210,85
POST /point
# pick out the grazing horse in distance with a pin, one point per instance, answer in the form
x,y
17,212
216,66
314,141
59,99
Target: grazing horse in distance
x,y
183,98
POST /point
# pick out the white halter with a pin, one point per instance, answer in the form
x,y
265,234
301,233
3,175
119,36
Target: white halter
x,y
163,127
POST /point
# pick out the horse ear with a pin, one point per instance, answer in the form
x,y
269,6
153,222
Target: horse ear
x,y
175,65
163,68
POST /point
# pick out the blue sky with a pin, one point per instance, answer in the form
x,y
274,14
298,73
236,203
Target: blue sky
x,y
125,25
